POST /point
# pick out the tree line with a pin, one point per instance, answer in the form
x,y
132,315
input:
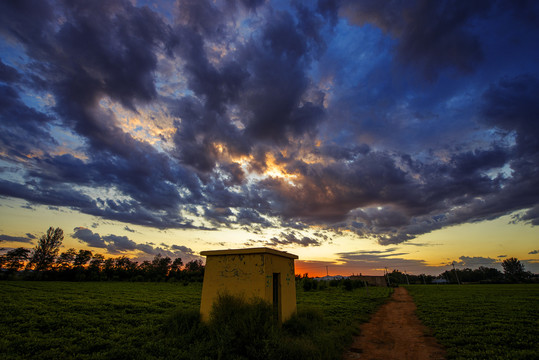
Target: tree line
x,y
513,272
46,262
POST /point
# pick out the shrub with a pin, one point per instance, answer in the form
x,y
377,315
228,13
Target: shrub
x,y
306,321
307,284
185,323
241,328
245,329
348,284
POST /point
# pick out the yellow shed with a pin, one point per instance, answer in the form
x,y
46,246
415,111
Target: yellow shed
x,y
258,272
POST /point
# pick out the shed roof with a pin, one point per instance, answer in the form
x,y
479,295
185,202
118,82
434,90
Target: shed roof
x,y
246,251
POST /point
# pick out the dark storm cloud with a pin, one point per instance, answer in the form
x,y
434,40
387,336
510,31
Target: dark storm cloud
x,y
393,205
329,192
292,239
8,74
115,244
118,244
273,94
103,48
180,248
265,79
476,261
197,134
531,216
373,260
279,116
218,215
249,217
58,194
89,237
392,259
371,254
21,239
22,128
41,193
111,42
432,35
512,105
287,239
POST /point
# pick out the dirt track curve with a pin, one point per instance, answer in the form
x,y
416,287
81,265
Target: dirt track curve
x,y
395,332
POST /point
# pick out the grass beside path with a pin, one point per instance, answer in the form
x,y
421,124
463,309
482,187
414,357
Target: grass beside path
x,y
482,321
124,320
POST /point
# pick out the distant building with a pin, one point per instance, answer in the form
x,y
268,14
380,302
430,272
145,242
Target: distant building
x,y
328,278
371,280
257,272
440,281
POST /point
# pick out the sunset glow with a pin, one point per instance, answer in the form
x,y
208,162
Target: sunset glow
x,y
356,134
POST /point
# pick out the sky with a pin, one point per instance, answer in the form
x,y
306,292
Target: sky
x,y
358,135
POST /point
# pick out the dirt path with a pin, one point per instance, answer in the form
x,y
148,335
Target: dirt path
x,y
395,332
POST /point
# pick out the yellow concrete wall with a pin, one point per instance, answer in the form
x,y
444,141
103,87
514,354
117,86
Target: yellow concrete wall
x,y
284,266
248,273
239,275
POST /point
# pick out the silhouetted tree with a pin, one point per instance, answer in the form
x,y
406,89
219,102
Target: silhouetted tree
x,y
15,259
124,268
95,267
82,265
160,267
176,269
177,264
82,258
65,259
194,265
513,269
194,270
47,249
397,277
489,274
108,268
145,269
96,262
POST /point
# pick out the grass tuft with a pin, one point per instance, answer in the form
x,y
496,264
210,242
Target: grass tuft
x,y
240,328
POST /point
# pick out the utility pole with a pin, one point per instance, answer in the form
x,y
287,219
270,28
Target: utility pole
x,y
423,276
327,271
387,275
405,274
456,275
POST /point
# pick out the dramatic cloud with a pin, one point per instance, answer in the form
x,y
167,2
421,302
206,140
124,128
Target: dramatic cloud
x,y
28,239
115,245
387,120
476,261
370,262
291,239
377,262
432,35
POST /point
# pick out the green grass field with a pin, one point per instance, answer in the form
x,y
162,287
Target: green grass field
x,y
482,321
121,320
108,320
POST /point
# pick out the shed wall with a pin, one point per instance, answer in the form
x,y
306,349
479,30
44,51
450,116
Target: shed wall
x,y
249,276
285,267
